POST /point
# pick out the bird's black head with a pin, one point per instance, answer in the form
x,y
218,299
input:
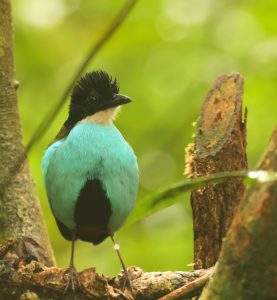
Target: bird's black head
x,y
94,92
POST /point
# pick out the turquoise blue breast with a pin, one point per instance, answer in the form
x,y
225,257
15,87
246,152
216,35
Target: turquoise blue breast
x,y
91,151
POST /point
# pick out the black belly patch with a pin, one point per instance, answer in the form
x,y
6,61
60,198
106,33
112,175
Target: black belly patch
x,y
92,210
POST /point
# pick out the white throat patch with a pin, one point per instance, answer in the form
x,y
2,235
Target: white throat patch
x,y
104,117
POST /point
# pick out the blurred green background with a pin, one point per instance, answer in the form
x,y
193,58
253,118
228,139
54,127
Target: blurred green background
x,y
166,56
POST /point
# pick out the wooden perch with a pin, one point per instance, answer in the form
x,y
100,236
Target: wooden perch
x,y
17,277
247,268
219,145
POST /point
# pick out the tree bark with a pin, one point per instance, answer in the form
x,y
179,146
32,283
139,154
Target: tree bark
x,y
247,267
219,145
50,283
21,220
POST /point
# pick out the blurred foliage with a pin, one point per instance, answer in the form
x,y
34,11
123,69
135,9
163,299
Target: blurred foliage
x,y
166,57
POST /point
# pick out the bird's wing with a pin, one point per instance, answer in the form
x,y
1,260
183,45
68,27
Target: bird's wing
x,y
65,232
64,131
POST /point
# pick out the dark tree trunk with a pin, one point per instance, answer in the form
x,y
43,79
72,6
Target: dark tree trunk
x,y
219,145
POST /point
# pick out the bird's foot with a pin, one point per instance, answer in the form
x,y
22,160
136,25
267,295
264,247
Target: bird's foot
x,y
128,282
73,278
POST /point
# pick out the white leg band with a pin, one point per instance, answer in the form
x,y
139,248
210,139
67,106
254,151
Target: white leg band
x,y
116,246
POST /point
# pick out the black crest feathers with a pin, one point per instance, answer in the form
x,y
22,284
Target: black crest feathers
x,y
90,95
95,85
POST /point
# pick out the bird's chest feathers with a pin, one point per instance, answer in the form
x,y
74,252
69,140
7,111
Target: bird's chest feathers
x,y
98,146
91,151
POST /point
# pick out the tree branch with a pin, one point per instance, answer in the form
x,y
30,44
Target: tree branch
x,y
51,282
190,289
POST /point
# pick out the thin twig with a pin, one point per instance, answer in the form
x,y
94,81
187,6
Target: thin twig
x,y
49,118
189,288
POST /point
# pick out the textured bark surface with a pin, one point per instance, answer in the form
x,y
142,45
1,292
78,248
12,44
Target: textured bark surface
x,y
191,289
50,283
219,145
247,268
20,214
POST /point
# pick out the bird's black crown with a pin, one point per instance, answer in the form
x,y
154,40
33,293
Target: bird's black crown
x,y
95,91
97,85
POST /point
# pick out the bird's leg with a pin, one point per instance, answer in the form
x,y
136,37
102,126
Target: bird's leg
x,y
127,275
73,274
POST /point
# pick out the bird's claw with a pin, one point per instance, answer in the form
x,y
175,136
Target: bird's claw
x,y
73,278
128,282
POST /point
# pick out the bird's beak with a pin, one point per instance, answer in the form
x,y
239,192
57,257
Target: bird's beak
x,y
121,99
117,100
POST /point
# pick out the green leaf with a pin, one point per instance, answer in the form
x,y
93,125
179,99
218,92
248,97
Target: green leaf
x,y
173,194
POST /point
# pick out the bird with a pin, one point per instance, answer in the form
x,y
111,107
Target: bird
x,y
90,171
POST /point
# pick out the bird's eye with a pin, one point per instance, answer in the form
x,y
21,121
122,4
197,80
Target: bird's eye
x,y
91,98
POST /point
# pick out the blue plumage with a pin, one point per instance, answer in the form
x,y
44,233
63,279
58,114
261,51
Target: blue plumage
x,y
91,151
